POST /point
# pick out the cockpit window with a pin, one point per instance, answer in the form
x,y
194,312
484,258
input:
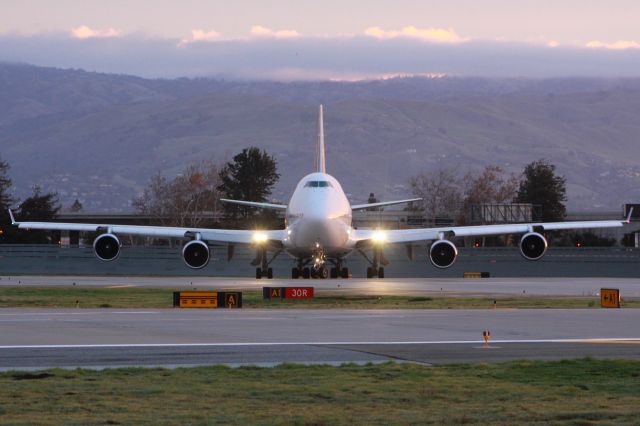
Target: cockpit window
x,y
318,184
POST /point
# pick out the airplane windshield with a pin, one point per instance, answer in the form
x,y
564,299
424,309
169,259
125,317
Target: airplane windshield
x,y
318,184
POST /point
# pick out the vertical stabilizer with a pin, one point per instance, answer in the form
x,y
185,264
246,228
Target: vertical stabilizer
x,y
320,146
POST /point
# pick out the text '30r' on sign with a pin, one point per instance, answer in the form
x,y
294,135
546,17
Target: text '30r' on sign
x,y
287,293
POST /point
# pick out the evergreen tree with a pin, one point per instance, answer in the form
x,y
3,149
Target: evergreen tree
x,y
540,185
371,200
249,177
5,184
38,207
7,232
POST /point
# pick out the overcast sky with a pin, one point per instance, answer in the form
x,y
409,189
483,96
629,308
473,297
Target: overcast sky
x,y
326,39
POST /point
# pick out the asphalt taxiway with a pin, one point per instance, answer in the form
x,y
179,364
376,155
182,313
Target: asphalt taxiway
x,y
536,286
41,338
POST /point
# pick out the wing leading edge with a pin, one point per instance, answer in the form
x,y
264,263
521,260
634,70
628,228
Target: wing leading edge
x,y
255,204
428,234
241,236
383,204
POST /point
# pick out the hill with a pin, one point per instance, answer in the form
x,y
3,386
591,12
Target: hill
x,y
99,137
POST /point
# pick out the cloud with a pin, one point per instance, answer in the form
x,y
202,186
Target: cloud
x,y
83,32
313,58
260,31
437,35
200,35
617,45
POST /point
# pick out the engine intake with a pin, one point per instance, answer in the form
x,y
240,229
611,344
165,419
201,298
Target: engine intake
x,y
533,246
196,254
106,247
443,253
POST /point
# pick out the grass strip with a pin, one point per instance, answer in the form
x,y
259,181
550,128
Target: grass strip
x,y
138,297
584,391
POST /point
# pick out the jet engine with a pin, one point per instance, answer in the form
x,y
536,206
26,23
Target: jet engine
x,y
533,246
106,247
443,253
196,254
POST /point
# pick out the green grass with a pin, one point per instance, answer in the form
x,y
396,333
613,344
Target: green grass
x,y
134,297
576,392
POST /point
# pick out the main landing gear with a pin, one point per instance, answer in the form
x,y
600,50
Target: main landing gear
x,y
375,272
376,269
264,271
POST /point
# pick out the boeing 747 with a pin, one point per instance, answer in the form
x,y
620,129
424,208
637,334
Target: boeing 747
x,y
318,232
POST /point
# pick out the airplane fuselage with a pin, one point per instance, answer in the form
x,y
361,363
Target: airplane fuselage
x,y
318,219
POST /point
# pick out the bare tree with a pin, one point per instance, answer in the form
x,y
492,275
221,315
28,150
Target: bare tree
x,y
492,185
186,200
441,193
154,201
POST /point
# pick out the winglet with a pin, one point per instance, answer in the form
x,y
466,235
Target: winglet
x,y
13,220
628,220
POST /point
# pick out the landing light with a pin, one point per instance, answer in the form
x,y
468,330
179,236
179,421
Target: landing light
x,y
379,237
260,237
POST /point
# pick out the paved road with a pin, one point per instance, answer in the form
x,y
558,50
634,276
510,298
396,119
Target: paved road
x,y
629,287
38,338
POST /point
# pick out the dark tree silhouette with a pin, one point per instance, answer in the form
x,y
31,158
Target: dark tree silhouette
x,y
249,177
38,207
5,185
540,185
6,200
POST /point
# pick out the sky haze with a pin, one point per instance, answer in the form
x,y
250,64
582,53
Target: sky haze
x,y
341,40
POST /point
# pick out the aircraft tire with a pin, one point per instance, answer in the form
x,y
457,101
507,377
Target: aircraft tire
x,y
323,273
295,273
369,272
258,273
345,273
306,273
334,272
381,272
270,273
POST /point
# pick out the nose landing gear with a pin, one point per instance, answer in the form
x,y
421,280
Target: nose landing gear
x,y
319,269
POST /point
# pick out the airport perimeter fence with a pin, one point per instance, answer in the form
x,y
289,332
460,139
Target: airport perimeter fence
x,y
166,261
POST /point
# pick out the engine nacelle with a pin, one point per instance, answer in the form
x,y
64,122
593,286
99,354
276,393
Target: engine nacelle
x,y
443,253
196,254
533,246
106,247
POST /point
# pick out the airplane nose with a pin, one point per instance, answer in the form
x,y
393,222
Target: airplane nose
x,y
317,215
317,227
312,232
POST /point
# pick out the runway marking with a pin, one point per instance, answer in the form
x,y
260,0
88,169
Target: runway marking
x,y
616,342
121,286
327,343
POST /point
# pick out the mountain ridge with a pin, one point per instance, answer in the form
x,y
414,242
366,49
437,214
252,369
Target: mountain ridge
x,y
99,137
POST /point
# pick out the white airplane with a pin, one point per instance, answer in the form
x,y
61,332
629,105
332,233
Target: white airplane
x,y
319,232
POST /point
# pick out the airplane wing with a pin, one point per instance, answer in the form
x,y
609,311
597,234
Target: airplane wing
x,y
255,204
382,204
240,236
428,234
